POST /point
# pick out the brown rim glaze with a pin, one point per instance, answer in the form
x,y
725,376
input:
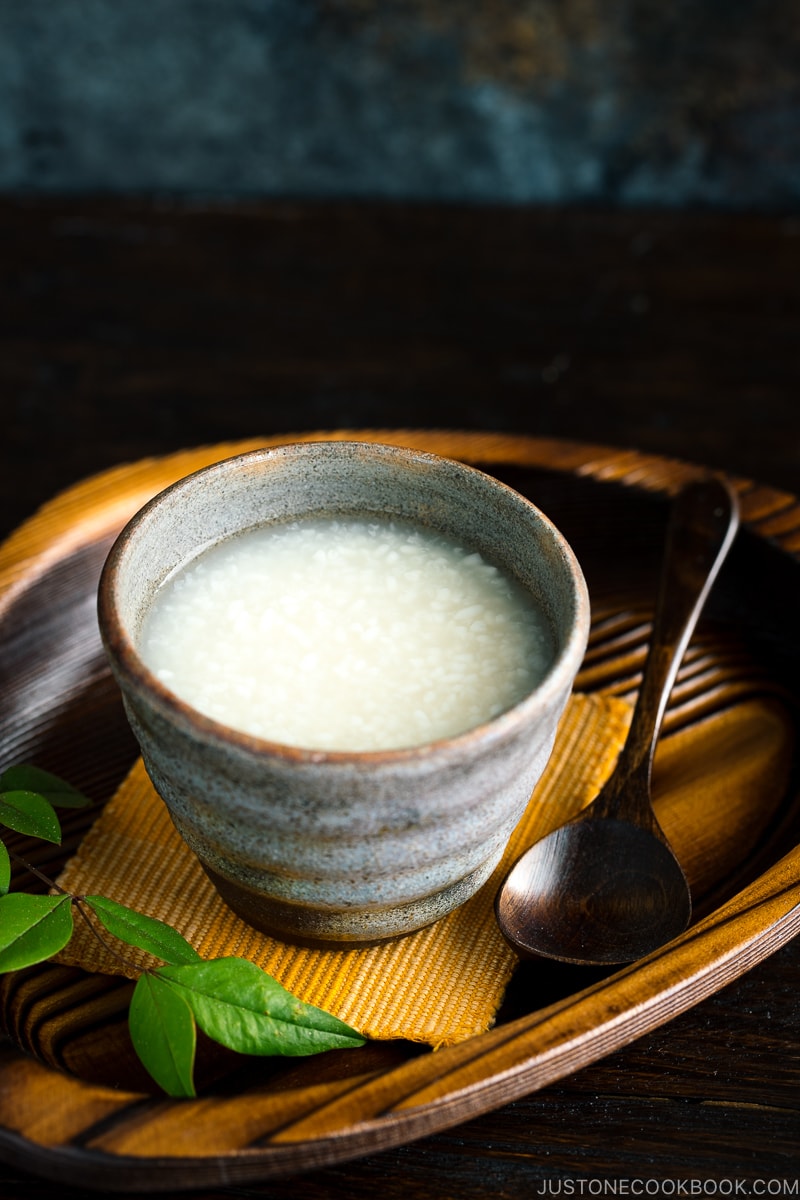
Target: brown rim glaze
x,y
122,647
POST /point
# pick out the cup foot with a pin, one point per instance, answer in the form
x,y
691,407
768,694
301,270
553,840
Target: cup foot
x,y
335,928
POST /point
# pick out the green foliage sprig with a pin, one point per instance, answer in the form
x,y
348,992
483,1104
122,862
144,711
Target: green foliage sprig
x,y
231,1000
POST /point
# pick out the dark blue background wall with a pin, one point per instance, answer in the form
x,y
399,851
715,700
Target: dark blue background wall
x,y
546,101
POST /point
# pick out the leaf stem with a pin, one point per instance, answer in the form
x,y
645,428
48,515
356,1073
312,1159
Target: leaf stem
x,y
40,875
77,904
232,1000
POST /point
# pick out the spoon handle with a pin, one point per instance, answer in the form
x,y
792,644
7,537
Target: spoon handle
x,y
702,525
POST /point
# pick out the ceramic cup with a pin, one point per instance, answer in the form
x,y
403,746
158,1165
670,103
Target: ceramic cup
x,y
342,847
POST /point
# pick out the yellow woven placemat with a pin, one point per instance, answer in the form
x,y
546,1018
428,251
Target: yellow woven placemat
x,y
438,986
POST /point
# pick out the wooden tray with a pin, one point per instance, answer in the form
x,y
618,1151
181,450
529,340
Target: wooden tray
x,y
76,1107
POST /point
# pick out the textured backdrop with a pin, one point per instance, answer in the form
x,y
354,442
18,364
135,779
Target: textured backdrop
x,y
544,101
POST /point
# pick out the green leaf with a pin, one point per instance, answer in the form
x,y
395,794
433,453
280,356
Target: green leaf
x,y
148,933
32,928
33,779
240,1006
28,812
163,1033
5,870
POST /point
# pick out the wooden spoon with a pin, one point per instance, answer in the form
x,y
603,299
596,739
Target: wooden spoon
x,y
606,887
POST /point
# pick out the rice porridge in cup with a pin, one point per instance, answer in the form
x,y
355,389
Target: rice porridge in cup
x,y
344,664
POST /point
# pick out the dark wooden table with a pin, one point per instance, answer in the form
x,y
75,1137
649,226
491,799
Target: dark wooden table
x,y
131,328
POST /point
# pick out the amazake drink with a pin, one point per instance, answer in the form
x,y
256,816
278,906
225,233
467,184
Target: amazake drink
x,y
345,634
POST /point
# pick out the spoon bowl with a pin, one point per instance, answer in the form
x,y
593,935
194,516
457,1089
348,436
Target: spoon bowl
x,y
606,886
595,891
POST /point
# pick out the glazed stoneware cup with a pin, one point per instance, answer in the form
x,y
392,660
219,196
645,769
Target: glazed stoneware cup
x,y
334,846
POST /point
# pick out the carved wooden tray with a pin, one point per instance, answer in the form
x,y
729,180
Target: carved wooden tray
x,y
75,1106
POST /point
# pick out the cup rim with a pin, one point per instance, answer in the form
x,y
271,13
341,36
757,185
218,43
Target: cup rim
x,y
127,663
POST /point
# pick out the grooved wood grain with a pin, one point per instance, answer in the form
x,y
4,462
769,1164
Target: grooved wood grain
x,y
109,1131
